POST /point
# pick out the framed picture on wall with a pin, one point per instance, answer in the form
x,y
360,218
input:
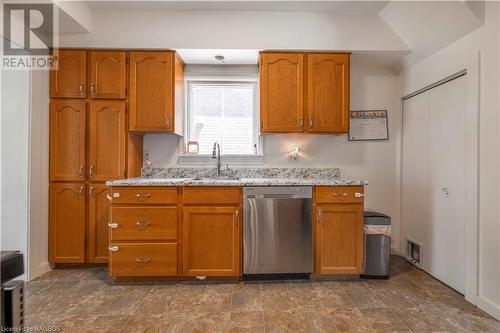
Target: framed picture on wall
x,y
367,125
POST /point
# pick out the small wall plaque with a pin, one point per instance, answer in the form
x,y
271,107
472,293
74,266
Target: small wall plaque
x,y
368,125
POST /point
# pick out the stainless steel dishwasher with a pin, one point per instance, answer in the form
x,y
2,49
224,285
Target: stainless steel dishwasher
x,y
277,230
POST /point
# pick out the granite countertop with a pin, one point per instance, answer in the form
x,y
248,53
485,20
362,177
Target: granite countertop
x,y
140,181
155,176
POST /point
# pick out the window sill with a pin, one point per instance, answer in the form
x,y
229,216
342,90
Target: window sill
x,y
225,159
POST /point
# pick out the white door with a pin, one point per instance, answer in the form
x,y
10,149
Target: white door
x,y
434,179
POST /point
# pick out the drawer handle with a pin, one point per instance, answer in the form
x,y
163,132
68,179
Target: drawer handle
x,y
143,224
113,248
143,196
339,195
113,225
143,260
320,215
108,197
359,195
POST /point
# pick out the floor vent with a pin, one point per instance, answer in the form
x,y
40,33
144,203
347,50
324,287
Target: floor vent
x,y
413,252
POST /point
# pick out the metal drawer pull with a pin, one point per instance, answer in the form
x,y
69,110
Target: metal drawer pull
x,y
359,195
82,86
80,194
108,197
113,248
236,220
143,224
342,195
310,122
80,171
301,123
320,215
143,260
113,225
91,171
91,192
143,196
92,88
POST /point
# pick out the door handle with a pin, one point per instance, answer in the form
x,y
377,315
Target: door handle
x,y
82,88
167,122
80,194
80,171
91,191
236,220
320,215
301,123
310,122
91,171
92,88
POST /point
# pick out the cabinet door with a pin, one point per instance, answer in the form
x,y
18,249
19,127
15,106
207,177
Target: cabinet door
x,y
67,222
107,140
108,71
339,239
327,93
97,247
67,140
211,241
281,92
70,79
151,91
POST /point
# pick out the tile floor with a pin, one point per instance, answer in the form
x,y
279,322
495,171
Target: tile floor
x,y
85,300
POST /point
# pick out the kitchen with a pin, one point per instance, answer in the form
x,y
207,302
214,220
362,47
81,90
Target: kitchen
x,y
213,179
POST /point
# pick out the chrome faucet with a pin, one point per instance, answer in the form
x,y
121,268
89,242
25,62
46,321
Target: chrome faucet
x,y
216,154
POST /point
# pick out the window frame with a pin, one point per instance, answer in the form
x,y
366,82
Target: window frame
x,y
257,158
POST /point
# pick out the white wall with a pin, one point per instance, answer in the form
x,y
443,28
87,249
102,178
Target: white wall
x,y
15,118
371,88
235,30
480,46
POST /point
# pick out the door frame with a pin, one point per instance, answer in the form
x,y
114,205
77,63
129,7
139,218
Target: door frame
x,y
471,70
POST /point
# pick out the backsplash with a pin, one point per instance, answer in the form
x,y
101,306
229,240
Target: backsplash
x,y
295,173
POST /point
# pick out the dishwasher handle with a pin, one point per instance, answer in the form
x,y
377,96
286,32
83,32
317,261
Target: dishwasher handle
x,y
270,196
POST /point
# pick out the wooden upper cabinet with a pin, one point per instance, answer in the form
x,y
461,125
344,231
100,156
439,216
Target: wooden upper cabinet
x,y
97,246
211,244
327,92
281,92
339,239
70,79
67,222
152,91
67,140
107,140
108,74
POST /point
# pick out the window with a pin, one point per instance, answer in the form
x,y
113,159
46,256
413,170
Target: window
x,y
223,112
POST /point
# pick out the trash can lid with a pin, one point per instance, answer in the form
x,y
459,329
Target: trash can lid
x,y
376,218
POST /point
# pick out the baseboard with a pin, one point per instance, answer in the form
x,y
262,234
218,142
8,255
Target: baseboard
x,y
39,270
488,307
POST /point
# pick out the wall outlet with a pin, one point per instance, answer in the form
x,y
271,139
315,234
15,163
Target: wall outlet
x,y
146,156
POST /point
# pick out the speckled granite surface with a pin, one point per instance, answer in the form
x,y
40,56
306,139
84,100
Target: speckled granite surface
x,y
245,177
295,173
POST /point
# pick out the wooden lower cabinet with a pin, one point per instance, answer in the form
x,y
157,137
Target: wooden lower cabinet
x,y
211,241
97,244
338,239
143,259
67,222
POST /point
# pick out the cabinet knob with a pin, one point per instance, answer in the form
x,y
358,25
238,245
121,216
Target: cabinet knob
x,y
113,225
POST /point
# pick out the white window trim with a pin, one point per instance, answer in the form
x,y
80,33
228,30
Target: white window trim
x,y
206,159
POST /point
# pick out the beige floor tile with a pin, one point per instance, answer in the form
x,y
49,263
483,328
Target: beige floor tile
x,y
252,321
383,320
246,297
108,323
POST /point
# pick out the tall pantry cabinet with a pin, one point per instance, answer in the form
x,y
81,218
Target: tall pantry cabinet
x,y
88,145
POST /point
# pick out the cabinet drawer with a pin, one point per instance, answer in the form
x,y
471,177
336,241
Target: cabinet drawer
x,y
342,194
143,223
147,195
143,259
212,195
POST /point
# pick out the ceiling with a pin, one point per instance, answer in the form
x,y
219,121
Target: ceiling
x,y
353,7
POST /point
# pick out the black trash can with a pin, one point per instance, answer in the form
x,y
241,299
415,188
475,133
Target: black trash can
x,y
377,241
